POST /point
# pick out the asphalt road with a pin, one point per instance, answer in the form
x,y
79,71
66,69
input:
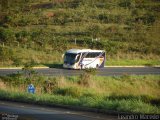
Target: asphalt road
x,y
110,71
35,112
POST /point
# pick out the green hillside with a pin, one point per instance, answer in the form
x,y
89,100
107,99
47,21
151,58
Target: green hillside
x,y
39,31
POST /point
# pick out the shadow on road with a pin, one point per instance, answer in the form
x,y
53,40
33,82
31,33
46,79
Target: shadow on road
x,y
55,65
152,66
148,65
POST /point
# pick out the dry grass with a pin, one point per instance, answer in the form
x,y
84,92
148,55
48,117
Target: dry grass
x,y
2,85
131,85
118,85
114,93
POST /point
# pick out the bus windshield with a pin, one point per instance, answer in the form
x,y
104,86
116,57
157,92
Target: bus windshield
x,y
70,58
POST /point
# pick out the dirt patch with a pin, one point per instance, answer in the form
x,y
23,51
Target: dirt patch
x,y
2,85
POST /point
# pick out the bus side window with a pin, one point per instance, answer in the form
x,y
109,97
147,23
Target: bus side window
x,y
97,54
94,55
84,55
88,55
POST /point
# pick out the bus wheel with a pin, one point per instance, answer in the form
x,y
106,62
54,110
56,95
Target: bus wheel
x,y
81,67
97,66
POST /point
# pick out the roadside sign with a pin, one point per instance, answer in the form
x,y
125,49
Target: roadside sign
x,y
31,88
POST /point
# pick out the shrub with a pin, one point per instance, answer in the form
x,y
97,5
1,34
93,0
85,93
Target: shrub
x,y
28,70
74,3
6,53
91,71
86,79
50,86
125,3
23,22
17,61
20,36
103,17
14,80
69,91
147,19
6,35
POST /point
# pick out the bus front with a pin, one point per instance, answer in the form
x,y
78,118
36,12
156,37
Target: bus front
x,y
71,60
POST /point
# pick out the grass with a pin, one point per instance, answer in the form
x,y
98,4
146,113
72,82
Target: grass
x,y
133,62
48,58
39,57
111,62
123,105
132,59
136,94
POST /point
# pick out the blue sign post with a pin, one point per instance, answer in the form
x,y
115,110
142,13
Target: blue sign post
x,y
31,88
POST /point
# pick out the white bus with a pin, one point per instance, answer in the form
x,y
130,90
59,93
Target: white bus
x,y
84,58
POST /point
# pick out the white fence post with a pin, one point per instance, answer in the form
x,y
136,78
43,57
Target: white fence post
x,y
75,41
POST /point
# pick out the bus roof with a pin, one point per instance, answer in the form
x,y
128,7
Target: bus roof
x,y
76,51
